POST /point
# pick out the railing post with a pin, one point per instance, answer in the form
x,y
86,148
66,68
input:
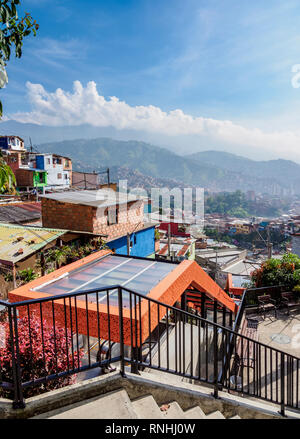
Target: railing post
x,y
203,313
216,390
15,356
282,371
121,330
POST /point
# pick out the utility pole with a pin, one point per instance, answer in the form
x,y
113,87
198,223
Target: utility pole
x,y
269,243
108,179
169,240
128,244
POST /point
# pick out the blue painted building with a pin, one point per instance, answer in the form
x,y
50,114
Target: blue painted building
x,y
142,243
11,142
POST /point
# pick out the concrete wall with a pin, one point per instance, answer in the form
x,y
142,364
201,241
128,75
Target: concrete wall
x,y
163,391
54,170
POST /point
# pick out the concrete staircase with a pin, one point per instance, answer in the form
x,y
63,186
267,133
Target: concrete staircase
x,y
117,405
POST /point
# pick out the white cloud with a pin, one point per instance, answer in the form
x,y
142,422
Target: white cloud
x,y
86,106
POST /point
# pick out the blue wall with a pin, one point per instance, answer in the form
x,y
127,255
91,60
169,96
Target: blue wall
x,y
143,243
40,162
4,142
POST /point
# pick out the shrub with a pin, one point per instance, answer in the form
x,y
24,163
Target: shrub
x,y
284,271
38,359
27,275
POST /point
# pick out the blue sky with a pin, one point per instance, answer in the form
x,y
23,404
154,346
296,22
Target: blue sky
x,y
220,60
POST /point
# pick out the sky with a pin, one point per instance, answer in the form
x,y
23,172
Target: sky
x,y
214,74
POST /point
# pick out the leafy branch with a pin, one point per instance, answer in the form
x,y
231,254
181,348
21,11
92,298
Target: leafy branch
x,y
12,32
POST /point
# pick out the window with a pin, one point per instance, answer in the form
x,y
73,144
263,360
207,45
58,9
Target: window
x,y
66,163
59,176
49,161
112,216
66,176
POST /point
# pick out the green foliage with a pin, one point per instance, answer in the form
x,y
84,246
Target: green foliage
x,y
27,275
284,271
156,235
69,253
234,204
8,277
7,178
12,32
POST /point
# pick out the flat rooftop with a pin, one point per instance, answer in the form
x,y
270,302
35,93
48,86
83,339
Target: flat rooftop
x,y
95,198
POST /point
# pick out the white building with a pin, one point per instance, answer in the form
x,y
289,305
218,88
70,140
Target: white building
x,y
59,170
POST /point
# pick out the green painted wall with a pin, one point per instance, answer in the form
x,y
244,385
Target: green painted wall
x,y
39,181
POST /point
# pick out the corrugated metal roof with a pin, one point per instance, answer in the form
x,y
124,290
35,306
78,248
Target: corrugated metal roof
x,y
243,268
20,212
19,242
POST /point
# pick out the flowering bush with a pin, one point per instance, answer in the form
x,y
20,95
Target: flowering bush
x,y
284,271
43,351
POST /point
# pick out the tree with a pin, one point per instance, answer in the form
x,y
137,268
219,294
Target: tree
x,y
284,271
43,352
12,32
7,178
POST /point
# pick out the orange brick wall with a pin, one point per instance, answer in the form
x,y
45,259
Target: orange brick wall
x,y
67,216
84,218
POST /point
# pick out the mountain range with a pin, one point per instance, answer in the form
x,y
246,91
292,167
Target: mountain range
x,y
214,170
145,165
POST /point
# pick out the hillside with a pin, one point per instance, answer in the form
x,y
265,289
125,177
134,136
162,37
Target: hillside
x,y
155,162
147,159
285,173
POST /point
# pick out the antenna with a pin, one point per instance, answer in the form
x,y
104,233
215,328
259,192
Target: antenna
x,y
30,144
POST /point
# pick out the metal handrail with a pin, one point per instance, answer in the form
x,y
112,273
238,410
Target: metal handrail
x,y
182,317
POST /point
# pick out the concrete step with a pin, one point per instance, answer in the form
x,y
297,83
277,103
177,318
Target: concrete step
x,y
174,411
146,408
112,405
194,413
215,415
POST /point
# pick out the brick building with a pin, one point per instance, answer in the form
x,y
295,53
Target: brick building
x,y
117,217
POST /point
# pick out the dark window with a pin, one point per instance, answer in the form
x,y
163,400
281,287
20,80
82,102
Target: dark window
x,y
112,216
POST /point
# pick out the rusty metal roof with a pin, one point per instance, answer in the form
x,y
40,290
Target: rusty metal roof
x,y
19,242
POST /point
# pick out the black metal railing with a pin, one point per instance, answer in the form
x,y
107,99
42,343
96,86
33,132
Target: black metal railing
x,y
40,346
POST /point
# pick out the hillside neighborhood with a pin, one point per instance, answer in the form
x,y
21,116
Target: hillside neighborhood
x,y
77,235
149,215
